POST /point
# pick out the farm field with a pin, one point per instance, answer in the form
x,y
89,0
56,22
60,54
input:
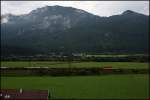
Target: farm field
x,y
109,55
114,55
82,87
73,64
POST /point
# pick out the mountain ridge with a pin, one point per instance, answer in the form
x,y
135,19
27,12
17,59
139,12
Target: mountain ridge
x,y
55,30
124,12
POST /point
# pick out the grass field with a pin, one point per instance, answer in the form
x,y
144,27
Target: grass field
x,y
74,64
104,55
114,55
98,87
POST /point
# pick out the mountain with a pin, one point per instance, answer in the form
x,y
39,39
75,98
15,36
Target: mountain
x,y
67,29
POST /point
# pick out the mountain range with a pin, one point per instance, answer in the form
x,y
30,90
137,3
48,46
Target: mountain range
x,y
66,29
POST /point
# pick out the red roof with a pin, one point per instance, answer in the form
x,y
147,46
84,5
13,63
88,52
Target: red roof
x,y
6,94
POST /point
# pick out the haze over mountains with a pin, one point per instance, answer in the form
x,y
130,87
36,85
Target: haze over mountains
x,y
67,29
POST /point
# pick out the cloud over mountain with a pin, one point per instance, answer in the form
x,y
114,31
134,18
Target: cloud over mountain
x,y
67,29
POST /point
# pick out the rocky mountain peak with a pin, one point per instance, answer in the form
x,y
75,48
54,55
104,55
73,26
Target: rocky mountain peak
x,y
128,12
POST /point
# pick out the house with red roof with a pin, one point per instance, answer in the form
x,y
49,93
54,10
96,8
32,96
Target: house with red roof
x,y
20,94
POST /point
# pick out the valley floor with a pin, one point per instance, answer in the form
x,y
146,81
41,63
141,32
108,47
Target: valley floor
x,y
82,87
73,64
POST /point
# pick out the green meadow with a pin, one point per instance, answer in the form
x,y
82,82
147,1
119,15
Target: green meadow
x,y
73,64
82,87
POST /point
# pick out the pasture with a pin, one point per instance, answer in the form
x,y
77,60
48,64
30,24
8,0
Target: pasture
x,y
115,55
82,87
73,64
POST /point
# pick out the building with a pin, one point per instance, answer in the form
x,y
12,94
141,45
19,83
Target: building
x,y
20,94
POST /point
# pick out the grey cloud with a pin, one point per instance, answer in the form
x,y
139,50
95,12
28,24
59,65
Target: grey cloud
x,y
101,8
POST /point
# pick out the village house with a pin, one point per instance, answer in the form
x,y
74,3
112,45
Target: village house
x,y
20,94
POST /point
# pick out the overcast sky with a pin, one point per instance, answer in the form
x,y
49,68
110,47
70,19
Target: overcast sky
x,y
101,8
